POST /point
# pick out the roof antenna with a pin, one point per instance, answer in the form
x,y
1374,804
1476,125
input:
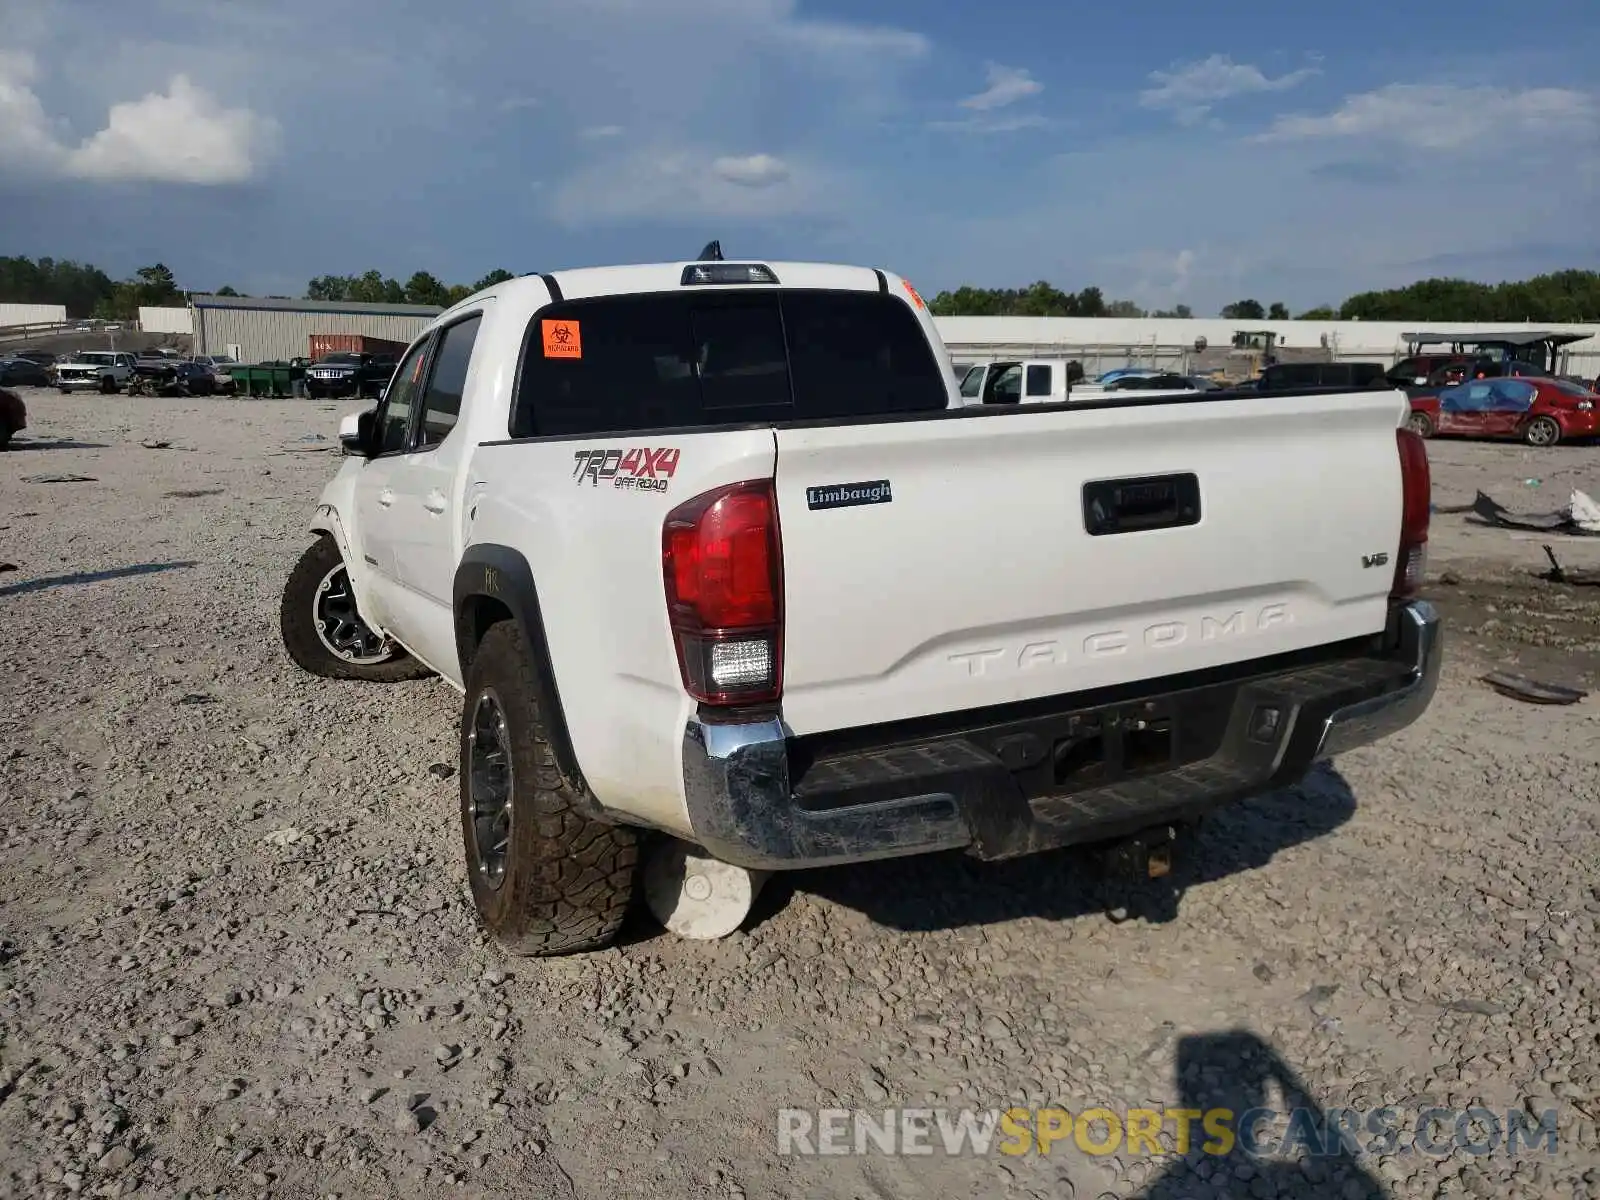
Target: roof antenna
x,y
712,252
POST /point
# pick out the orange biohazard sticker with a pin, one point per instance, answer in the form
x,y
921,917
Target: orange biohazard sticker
x,y
912,292
562,339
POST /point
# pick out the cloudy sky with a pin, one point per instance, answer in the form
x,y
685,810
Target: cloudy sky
x,y
1165,151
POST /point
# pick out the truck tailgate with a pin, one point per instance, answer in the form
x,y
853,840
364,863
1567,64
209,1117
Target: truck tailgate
x,y
968,576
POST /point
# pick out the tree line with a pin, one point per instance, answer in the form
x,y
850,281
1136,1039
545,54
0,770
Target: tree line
x,y
87,291
1563,297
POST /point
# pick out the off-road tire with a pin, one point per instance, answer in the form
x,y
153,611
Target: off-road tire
x,y
298,626
1420,424
568,880
1551,436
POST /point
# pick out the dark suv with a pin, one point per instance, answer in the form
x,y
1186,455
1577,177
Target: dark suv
x,y
347,373
1287,376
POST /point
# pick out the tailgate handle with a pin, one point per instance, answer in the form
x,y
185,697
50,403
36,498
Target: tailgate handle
x,y
1149,502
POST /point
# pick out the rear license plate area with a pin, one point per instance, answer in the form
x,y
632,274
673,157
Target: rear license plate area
x,y
1115,743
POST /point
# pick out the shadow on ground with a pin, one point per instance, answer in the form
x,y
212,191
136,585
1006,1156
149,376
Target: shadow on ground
x,y
954,890
17,444
82,577
1238,1072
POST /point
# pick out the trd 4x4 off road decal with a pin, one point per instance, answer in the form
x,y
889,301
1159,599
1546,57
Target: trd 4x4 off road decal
x,y
639,470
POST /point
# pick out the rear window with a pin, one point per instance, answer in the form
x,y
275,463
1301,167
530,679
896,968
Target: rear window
x,y
627,363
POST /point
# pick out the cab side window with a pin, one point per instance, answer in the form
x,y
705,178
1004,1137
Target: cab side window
x,y
1038,381
447,380
405,389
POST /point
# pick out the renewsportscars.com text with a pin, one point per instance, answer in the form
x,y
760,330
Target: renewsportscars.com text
x,y
1257,1132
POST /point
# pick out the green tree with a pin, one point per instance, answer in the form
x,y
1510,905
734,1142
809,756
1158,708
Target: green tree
x,y
1245,310
1278,312
1323,312
155,286
225,290
373,287
1124,308
79,287
423,288
329,287
1181,312
498,275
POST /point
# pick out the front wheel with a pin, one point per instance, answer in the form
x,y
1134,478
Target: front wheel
x,y
1542,431
323,630
546,879
1420,424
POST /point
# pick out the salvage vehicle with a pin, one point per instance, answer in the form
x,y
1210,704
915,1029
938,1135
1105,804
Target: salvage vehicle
x,y
348,373
23,372
221,367
104,370
732,582
13,416
1540,411
180,378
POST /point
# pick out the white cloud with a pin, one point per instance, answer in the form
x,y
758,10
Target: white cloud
x,y
1000,124
680,182
1445,117
831,37
1188,90
754,170
1007,85
182,135
601,131
27,140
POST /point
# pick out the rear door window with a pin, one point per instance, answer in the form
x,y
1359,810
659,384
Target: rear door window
x,y
1038,381
859,354
631,363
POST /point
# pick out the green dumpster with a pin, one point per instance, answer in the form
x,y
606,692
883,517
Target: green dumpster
x,y
274,379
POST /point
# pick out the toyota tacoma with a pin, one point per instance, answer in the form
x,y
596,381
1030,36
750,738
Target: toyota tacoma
x,y
715,551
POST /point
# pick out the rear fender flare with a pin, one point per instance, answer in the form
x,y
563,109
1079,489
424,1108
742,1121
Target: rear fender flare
x,y
492,577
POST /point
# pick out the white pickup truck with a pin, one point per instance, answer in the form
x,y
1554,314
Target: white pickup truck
x,y
714,550
104,370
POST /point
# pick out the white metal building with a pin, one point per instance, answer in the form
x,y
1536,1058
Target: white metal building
x,y
260,330
166,320
1102,343
32,314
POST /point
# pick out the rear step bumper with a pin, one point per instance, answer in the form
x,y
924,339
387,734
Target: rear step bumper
x,y
1071,776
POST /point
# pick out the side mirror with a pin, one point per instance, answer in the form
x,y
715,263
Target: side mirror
x,y
355,433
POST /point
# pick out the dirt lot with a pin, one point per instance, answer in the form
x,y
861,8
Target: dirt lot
x,y
237,957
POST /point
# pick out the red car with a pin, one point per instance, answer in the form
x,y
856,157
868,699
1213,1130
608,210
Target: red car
x,y
1539,411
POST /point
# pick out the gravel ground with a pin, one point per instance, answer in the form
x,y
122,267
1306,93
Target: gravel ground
x,y
237,956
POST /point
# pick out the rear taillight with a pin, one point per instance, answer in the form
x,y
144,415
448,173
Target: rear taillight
x,y
1416,491
722,561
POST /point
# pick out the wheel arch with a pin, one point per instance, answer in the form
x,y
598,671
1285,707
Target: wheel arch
x,y
494,583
